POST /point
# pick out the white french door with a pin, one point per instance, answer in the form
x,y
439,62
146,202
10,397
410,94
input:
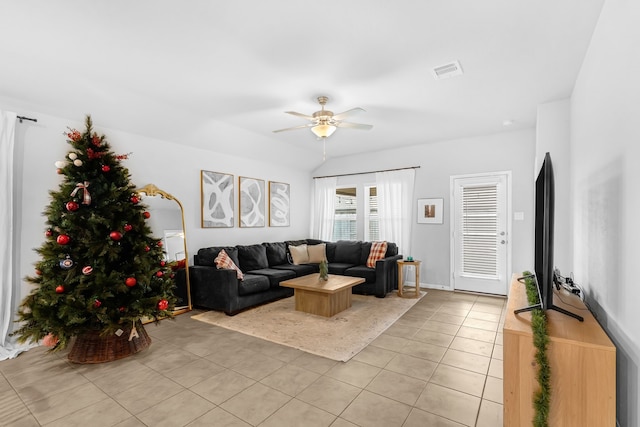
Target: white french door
x,y
481,251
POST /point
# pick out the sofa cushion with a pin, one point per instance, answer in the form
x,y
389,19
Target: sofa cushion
x,y
392,249
339,267
317,253
348,252
365,249
223,261
253,283
300,270
206,256
315,242
299,254
368,274
330,250
377,252
275,276
276,253
252,257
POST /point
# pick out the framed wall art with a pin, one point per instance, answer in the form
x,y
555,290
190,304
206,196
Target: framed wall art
x,y
217,192
252,202
430,211
279,203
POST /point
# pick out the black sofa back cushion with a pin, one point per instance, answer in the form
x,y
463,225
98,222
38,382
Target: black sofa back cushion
x,y
206,256
392,249
252,257
364,253
331,251
276,253
348,252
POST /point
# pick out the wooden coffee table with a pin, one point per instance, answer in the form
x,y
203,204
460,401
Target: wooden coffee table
x,y
324,298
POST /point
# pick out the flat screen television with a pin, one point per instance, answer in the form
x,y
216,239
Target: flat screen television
x,y
543,264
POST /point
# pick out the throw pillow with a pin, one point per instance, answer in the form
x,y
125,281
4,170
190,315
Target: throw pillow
x,y
223,261
299,254
378,250
317,253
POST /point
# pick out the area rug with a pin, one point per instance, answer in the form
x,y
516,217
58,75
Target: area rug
x,y
339,337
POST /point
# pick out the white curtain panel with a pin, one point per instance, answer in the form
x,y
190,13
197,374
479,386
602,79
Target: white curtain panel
x,y
323,208
9,286
395,207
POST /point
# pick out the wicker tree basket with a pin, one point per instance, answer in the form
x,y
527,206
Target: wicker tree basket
x,y
92,347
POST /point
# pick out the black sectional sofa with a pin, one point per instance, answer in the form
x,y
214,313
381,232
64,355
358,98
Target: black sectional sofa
x,y
265,265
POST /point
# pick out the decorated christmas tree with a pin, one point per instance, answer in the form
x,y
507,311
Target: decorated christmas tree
x,y
100,269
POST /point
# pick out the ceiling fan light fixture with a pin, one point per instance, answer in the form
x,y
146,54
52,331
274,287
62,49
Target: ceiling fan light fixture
x,y
323,130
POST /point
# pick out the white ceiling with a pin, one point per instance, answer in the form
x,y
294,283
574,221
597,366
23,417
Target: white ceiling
x,y
220,74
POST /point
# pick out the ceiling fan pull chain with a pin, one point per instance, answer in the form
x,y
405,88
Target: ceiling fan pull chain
x,y
324,149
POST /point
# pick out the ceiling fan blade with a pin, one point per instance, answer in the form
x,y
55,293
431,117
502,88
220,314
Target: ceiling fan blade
x,y
348,113
353,125
308,125
304,116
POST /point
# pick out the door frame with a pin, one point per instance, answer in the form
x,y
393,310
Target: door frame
x,y
452,207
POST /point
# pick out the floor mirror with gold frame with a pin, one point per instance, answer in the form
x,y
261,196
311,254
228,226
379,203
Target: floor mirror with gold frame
x,y
167,220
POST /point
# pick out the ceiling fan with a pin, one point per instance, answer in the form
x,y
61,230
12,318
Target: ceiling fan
x,y
324,123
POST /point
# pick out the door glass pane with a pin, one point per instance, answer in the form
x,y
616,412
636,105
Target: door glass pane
x,y
479,230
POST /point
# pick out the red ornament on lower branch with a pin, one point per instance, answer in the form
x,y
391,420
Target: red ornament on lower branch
x,y
130,281
163,304
159,273
115,235
63,239
146,214
59,289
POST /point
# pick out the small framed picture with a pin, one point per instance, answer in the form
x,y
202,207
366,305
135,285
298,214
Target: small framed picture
x,y
430,211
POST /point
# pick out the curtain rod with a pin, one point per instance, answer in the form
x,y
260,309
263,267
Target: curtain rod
x,y
364,173
21,118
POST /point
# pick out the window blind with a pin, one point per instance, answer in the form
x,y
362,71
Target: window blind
x,y
479,230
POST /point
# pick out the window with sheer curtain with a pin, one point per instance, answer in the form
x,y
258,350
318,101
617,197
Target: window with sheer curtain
x,y
394,191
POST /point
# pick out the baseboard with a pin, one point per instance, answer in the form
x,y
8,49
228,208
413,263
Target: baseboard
x,y
426,286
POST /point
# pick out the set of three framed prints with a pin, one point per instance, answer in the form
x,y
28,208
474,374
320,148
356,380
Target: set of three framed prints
x,y
218,201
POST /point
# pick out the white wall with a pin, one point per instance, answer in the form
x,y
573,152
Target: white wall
x,y
171,167
508,151
605,150
552,136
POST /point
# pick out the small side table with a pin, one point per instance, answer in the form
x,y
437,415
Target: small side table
x,y
416,266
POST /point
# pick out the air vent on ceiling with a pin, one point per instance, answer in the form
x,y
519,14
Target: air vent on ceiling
x,y
447,70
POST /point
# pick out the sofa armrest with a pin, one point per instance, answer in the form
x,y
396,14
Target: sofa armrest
x,y
387,275
212,288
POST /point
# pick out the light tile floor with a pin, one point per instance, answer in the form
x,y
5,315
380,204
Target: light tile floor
x,y
439,365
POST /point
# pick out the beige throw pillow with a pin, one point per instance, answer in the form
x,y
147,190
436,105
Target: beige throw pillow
x,y
317,253
299,254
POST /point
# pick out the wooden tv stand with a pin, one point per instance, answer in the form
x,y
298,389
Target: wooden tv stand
x,y
582,360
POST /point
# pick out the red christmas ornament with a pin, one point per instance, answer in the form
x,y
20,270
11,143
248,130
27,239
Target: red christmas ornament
x,y
95,140
38,272
128,227
59,289
134,199
146,214
159,274
122,309
48,233
147,248
163,263
87,270
59,171
106,168
97,303
63,239
130,281
159,244
163,304
115,235
172,275
72,206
